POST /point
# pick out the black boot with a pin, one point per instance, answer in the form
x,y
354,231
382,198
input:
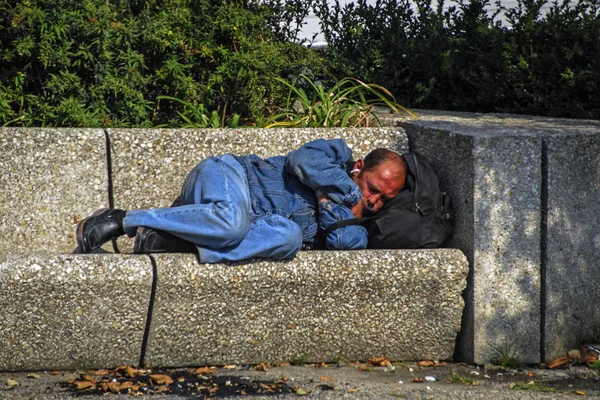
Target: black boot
x,y
148,241
104,225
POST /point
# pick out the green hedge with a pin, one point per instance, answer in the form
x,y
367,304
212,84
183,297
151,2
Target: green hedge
x,y
103,63
459,58
109,63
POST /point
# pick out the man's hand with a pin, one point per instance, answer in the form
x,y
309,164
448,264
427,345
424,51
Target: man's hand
x,y
357,209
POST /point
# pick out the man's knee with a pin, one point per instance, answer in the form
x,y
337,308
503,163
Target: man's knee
x,y
235,221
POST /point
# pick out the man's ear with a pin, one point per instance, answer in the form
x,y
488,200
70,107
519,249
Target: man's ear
x,y
359,164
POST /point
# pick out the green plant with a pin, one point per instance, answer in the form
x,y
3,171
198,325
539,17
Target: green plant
x,y
531,386
339,359
348,102
458,379
300,360
458,57
505,355
100,63
197,116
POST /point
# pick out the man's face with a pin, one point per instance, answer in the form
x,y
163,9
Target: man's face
x,y
379,185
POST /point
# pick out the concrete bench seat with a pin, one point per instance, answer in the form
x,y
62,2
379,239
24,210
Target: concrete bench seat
x,y
72,311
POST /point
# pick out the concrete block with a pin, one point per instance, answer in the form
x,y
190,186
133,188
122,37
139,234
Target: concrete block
x,y
51,178
528,221
68,312
320,306
493,174
150,165
572,249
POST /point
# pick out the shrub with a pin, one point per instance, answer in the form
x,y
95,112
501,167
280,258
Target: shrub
x,y
101,63
461,58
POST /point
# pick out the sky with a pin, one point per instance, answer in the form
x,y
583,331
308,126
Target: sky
x,y
312,25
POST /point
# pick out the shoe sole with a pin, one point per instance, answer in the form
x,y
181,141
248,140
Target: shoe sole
x,y
81,242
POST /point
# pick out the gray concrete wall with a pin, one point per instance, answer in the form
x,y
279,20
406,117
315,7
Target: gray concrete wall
x,y
511,177
572,245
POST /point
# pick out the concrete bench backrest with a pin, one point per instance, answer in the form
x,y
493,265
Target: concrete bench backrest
x,y
51,178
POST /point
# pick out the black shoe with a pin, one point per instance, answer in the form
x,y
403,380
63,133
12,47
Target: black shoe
x,y
148,241
104,225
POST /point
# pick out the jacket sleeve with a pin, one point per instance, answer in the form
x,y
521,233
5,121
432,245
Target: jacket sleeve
x,y
352,237
321,165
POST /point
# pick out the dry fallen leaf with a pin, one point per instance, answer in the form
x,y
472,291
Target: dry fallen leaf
x,y
380,362
326,378
83,385
161,389
417,380
285,364
100,372
205,370
131,372
557,362
364,368
11,382
127,370
88,378
33,376
55,372
266,387
580,393
229,366
261,367
283,379
352,390
161,379
300,391
114,387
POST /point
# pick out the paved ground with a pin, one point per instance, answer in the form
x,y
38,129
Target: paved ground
x,y
347,381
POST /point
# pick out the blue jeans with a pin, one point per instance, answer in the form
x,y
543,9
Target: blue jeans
x,y
217,217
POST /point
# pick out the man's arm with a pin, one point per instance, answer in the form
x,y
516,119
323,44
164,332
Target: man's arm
x,y
321,165
352,237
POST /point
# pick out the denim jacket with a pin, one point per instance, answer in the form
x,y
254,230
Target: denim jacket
x,y
290,185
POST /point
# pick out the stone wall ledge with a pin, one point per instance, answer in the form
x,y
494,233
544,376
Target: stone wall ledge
x,y
65,312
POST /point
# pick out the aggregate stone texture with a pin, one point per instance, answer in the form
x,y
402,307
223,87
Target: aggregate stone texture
x,y
321,306
51,179
66,312
492,166
572,312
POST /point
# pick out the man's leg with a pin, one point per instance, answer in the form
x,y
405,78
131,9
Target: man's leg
x,y
215,211
271,236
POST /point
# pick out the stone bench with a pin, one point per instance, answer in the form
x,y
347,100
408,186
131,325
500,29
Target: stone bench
x,y
71,311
